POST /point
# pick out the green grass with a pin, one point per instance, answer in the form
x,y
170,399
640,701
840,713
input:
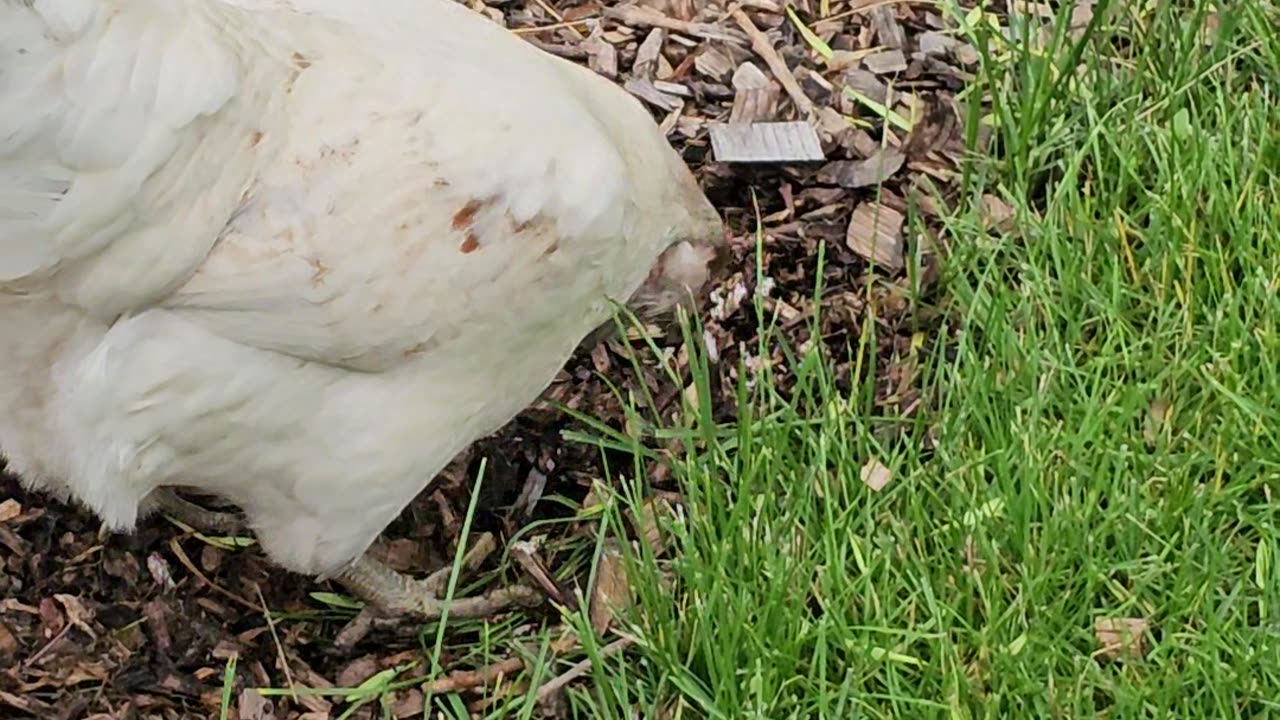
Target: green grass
x,y
1106,440
1106,433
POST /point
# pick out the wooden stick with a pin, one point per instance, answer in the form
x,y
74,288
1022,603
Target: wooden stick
x,y
762,47
463,680
634,15
582,668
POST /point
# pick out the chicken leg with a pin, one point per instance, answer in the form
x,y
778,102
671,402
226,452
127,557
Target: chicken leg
x,y
400,594
372,580
169,502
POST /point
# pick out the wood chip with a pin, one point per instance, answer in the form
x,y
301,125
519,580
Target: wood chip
x,y
966,54
863,173
784,142
646,62
670,88
875,233
885,21
713,63
875,475
755,95
884,63
936,42
602,57
867,83
646,91
1120,637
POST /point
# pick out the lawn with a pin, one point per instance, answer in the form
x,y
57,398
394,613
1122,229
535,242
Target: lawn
x,y
1103,446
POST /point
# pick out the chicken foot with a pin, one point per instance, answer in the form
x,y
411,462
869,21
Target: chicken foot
x,y
169,502
370,579
375,582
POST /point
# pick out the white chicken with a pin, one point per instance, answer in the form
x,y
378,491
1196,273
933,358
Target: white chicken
x,y
299,254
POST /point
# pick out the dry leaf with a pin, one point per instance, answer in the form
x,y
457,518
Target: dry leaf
x,y
401,554
875,233
647,521
408,703
1157,414
9,509
996,213
77,614
612,593
8,643
1120,637
875,475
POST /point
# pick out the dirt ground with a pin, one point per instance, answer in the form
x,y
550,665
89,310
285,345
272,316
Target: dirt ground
x,y
141,626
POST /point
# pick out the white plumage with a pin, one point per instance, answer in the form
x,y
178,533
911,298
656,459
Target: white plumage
x,y
300,253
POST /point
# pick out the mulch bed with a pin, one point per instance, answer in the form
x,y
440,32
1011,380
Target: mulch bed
x,y
142,626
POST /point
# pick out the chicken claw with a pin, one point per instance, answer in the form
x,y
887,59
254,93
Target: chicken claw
x,y
395,593
169,502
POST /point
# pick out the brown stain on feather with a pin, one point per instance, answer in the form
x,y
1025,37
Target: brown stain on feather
x,y
467,215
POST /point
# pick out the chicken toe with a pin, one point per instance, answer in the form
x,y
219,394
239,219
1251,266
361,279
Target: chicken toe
x,y
169,502
399,594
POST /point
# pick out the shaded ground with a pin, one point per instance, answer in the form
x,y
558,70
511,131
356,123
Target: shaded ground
x,y
142,626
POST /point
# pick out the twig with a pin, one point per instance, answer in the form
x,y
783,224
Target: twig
x,y
271,626
633,15
524,554
191,568
764,48
581,668
533,30
558,17
357,629
463,680
568,52
858,7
